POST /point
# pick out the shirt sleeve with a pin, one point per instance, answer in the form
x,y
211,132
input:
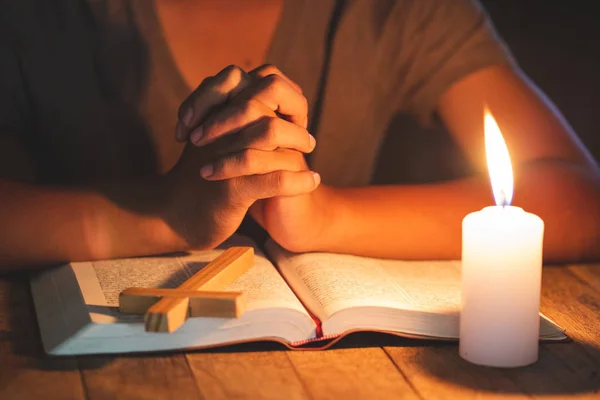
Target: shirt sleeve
x,y
442,42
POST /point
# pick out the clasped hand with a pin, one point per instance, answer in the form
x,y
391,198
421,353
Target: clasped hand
x,y
247,136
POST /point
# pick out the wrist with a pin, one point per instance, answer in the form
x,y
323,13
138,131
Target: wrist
x,y
138,225
166,231
329,206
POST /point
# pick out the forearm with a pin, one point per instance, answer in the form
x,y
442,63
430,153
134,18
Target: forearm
x,y
41,226
424,221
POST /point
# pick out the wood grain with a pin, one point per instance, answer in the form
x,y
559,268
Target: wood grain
x,y
25,372
574,305
223,271
563,369
168,314
575,375
438,372
587,273
246,375
570,296
17,315
138,377
34,376
201,303
363,373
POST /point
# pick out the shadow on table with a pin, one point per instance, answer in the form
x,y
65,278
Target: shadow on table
x,y
354,340
562,368
20,333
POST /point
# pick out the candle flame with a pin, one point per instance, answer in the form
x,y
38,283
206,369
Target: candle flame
x,y
498,161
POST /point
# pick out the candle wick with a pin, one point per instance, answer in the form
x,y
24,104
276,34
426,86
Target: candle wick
x,y
503,202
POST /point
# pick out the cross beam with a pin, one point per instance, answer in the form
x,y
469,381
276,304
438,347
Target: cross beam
x,y
167,309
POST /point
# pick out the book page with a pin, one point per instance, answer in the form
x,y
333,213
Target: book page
x,y
77,306
263,285
328,283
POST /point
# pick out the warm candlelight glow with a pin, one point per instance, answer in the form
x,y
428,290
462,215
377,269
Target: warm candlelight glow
x,y
498,161
501,271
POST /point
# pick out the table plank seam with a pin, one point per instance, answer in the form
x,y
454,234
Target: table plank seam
x,y
408,381
587,353
579,279
304,385
84,388
198,391
516,382
561,361
583,282
579,360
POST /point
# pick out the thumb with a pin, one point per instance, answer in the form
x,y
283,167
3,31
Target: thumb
x,y
257,212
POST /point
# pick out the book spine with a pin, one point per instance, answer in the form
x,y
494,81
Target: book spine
x,y
321,338
319,328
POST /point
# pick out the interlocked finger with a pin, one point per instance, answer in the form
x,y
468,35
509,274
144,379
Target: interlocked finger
x,y
268,69
269,133
281,96
277,183
231,119
253,162
212,92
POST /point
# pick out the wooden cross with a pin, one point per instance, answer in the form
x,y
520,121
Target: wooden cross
x,y
200,296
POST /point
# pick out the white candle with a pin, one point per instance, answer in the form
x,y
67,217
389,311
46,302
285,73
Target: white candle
x,y
501,272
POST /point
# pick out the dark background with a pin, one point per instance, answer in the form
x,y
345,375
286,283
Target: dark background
x,y
557,43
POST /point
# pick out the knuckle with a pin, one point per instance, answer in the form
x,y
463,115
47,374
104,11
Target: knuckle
x,y
250,107
232,75
273,85
271,129
220,167
279,181
247,106
246,160
206,82
267,69
273,80
232,69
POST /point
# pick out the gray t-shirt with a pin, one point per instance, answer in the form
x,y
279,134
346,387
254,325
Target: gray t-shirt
x,y
91,90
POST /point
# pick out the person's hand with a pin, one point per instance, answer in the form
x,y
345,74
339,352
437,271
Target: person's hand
x,y
272,143
255,163
242,110
270,86
205,212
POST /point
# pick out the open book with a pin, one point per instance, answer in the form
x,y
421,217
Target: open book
x,y
295,299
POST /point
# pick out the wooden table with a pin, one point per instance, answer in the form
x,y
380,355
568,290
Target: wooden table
x,y
365,366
